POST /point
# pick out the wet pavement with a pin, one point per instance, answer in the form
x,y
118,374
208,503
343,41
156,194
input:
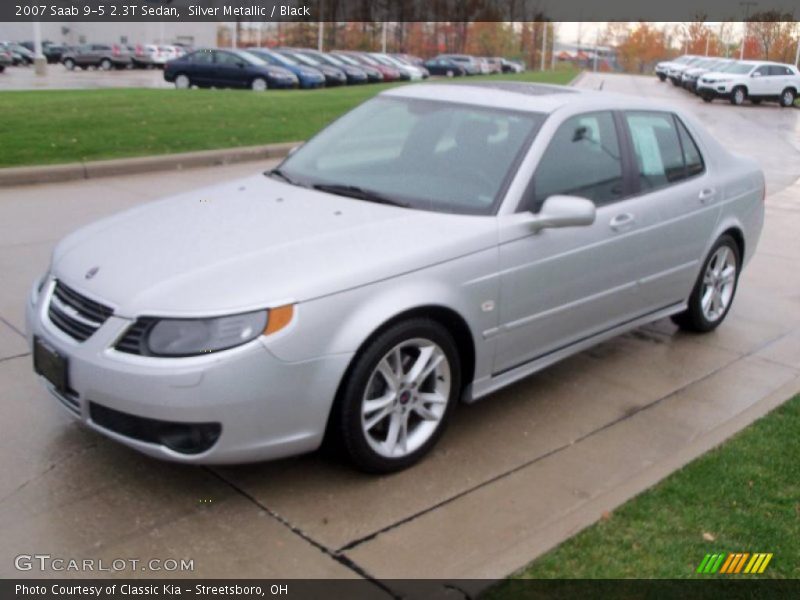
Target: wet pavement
x,y
515,474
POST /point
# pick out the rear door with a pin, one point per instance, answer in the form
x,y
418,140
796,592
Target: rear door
x,y
229,70
674,181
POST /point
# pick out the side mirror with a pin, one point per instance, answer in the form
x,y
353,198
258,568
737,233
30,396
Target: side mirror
x,y
565,211
756,74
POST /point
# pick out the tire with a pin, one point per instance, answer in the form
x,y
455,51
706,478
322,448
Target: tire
x,y
738,95
182,81
259,84
787,97
715,279
449,73
376,375
69,64
662,77
105,64
2,68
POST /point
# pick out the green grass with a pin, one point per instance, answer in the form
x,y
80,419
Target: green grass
x,y
61,126
745,494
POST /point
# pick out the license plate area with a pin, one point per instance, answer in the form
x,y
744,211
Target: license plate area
x,y
51,365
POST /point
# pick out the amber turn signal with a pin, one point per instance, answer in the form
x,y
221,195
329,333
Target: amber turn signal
x,y
278,318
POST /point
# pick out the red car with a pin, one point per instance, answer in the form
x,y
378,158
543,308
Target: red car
x,y
389,73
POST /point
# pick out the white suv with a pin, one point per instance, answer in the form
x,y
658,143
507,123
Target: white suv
x,y
754,80
663,68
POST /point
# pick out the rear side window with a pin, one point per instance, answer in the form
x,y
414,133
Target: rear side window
x,y
691,153
665,152
583,159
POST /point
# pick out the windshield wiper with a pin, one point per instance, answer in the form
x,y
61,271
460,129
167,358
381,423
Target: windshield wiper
x,y
281,175
353,191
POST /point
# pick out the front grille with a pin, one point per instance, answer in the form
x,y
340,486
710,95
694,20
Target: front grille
x,y
133,340
75,314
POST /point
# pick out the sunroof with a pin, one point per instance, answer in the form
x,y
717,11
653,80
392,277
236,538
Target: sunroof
x,y
529,89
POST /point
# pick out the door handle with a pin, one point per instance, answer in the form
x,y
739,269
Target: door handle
x,y
706,195
622,222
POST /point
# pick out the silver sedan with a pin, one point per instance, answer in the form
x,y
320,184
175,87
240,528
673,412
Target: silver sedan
x,y
433,245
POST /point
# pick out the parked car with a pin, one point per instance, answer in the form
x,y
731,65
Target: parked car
x,y
404,62
20,55
469,63
511,66
407,72
445,67
308,77
692,74
432,246
5,59
753,80
149,56
354,73
495,64
227,69
102,56
333,75
54,52
373,74
388,73
675,71
662,68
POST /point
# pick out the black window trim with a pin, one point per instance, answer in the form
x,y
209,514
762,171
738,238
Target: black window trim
x,y
632,165
526,202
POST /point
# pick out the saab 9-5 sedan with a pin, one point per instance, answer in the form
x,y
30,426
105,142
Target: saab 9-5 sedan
x,y
433,245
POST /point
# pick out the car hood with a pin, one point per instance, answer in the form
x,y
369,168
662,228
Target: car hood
x,y
255,243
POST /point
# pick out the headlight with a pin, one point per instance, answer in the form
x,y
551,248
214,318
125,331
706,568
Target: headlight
x,y
191,337
36,291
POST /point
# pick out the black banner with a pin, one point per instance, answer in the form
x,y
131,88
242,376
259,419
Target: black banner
x,y
358,589
392,10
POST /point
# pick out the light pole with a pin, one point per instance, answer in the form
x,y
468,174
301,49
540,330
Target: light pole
x,y
747,6
39,61
596,40
383,38
544,43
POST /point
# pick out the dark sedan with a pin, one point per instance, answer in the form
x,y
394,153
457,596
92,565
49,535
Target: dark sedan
x,y
5,59
333,75
309,77
373,74
445,66
354,74
226,68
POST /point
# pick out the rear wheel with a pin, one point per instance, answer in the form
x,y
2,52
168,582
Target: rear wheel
x,y
787,97
398,396
259,84
662,77
714,290
182,81
105,64
69,64
738,96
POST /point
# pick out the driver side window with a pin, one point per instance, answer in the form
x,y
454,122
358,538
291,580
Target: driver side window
x,y
583,159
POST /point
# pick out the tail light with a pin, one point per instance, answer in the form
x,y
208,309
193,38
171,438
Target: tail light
x,y
139,50
115,50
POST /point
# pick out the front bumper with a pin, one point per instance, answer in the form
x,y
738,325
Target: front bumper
x,y
714,90
267,408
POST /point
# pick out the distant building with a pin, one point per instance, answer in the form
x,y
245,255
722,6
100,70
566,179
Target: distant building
x,y
195,34
583,55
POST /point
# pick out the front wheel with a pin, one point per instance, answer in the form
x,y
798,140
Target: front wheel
x,y
182,82
738,96
662,77
714,290
105,64
398,396
69,64
259,84
787,97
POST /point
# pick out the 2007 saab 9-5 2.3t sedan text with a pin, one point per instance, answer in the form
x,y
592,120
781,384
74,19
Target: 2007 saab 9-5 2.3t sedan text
x,y
433,245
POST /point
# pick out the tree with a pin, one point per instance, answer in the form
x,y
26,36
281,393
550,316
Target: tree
x,y
642,47
774,32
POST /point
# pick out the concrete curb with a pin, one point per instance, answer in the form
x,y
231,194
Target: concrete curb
x,y
574,81
143,164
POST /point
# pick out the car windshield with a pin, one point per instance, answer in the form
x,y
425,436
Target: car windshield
x,y
383,60
348,60
423,154
334,60
306,59
739,69
251,58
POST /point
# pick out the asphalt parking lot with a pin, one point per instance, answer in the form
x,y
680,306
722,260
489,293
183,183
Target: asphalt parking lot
x,y
59,78
514,475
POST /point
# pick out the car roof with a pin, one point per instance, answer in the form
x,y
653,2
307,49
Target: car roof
x,y
529,97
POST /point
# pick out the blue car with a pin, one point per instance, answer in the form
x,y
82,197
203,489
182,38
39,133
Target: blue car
x,y
227,68
309,77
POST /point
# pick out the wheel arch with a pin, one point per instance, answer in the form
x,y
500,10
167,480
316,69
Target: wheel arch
x,y
738,236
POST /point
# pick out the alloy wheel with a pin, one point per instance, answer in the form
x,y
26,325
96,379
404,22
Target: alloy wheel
x,y
719,281
406,398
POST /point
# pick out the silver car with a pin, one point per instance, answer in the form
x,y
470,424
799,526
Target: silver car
x,y
433,245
